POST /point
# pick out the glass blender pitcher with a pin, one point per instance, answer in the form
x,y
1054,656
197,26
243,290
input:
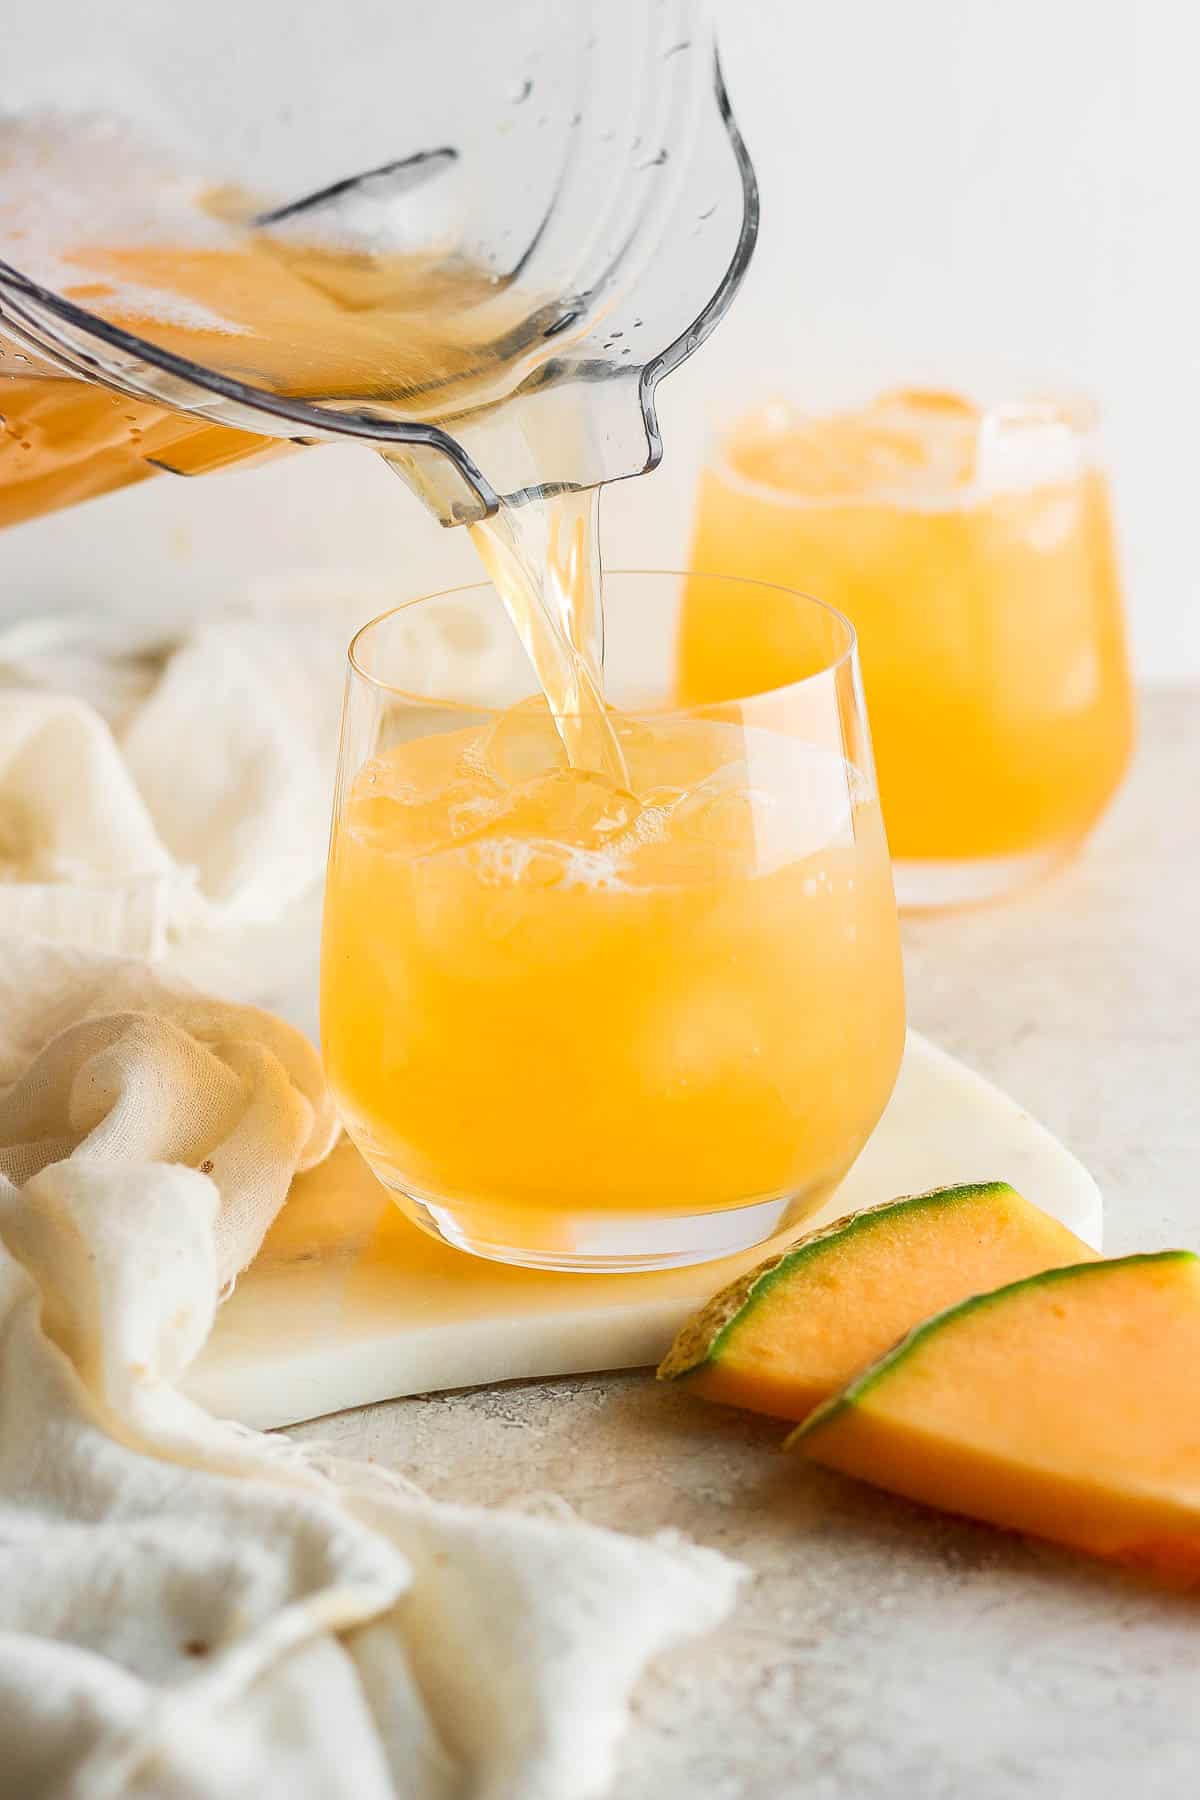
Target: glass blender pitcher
x,y
292,225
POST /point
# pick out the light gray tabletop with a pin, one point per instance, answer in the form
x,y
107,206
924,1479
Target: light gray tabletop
x,y
882,1652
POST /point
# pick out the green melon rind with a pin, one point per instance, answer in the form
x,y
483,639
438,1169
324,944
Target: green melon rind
x,y
704,1339
875,1372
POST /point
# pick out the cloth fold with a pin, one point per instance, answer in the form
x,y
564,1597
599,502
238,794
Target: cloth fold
x,y
188,1609
182,790
196,801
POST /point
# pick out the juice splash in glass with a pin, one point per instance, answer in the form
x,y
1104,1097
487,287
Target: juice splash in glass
x,y
581,1021
973,550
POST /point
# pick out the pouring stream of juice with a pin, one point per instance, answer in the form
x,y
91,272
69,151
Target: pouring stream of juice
x,y
544,559
307,318
62,440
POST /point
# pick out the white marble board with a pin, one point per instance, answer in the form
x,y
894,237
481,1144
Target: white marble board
x,y
349,1303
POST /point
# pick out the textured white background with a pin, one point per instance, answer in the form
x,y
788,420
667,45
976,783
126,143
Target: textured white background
x,y
1001,189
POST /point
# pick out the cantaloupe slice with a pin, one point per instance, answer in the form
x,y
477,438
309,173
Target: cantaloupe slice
x,y
793,1331
1064,1405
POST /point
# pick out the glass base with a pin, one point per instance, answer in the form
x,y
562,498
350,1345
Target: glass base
x,y
932,886
600,1243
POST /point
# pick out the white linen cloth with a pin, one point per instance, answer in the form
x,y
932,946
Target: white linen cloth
x,y
186,794
189,1610
176,796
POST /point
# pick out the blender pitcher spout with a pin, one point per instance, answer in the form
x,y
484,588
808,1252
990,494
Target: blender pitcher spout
x,y
575,219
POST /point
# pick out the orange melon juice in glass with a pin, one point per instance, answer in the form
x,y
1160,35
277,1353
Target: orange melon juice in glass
x,y
587,1020
973,550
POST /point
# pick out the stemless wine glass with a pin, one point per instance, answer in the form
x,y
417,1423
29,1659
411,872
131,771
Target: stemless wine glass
x,y
972,546
578,1023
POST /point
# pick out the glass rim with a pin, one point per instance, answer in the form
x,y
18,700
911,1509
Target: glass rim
x,y
1078,414
829,668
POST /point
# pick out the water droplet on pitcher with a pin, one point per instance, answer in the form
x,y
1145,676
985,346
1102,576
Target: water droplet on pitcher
x,y
568,318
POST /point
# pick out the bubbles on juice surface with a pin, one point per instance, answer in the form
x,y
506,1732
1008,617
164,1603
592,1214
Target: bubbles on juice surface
x,y
906,442
715,802
80,176
915,447
406,804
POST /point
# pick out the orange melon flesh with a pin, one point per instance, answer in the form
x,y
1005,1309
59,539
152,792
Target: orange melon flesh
x,y
1064,1406
786,1336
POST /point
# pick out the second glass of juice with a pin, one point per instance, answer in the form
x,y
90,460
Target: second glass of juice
x,y
972,547
609,1021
